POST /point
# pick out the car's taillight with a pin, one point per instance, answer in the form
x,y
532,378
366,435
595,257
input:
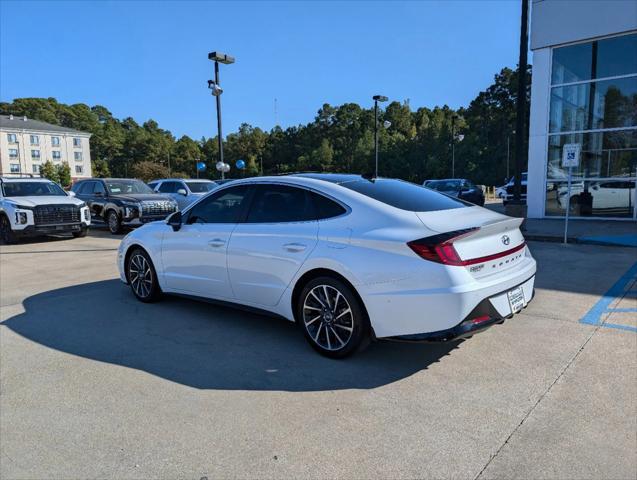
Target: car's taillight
x,y
439,248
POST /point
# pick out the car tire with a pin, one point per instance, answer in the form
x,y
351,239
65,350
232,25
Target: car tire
x,y
114,222
81,234
142,277
6,232
332,318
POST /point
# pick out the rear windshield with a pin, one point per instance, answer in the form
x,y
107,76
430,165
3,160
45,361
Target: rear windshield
x,y
405,195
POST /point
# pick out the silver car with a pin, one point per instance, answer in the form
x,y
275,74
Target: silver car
x,y
183,191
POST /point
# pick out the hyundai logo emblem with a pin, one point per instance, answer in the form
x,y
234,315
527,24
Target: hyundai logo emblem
x,y
505,239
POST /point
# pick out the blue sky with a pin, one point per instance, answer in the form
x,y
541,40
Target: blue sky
x,y
148,59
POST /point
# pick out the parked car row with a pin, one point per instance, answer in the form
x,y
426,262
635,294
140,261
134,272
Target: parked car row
x,y
349,259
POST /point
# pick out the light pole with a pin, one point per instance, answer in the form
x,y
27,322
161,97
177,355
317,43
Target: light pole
x,y
520,116
453,145
377,98
509,152
214,85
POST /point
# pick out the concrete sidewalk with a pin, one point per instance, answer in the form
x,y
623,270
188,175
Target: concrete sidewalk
x,y
590,232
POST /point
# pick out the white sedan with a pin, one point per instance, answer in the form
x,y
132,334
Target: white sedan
x,y
349,259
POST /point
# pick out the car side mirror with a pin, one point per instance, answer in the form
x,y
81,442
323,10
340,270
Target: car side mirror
x,y
182,191
98,194
174,221
70,193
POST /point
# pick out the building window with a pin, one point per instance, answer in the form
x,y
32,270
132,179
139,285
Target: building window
x,y
594,105
13,153
77,142
56,154
35,154
593,95
35,140
79,169
55,141
12,138
14,167
611,57
36,168
77,156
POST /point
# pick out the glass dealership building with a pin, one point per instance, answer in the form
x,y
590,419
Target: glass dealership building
x,y
584,91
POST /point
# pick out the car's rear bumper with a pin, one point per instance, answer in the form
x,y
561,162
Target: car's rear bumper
x,y
417,304
482,317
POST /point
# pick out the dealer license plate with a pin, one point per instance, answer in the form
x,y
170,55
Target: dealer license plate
x,y
516,299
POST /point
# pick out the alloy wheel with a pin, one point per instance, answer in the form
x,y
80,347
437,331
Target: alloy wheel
x,y
113,222
328,317
140,276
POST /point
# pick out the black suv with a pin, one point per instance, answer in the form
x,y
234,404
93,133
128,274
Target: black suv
x,y
121,202
458,187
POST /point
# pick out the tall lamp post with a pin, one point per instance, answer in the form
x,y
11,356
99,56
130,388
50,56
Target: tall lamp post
x,y
214,85
453,145
509,152
521,105
377,98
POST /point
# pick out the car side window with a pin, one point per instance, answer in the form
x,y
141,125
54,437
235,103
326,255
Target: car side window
x,y
280,204
168,187
325,208
223,207
82,188
98,187
153,185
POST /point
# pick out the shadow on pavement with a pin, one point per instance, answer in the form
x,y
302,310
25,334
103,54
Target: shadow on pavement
x,y
202,345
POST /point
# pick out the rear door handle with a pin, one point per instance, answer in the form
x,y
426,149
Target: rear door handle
x,y
294,247
217,242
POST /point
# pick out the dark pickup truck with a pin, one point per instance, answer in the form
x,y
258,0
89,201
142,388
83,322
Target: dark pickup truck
x,y
123,202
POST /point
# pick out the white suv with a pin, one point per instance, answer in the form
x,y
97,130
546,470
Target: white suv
x,y
37,206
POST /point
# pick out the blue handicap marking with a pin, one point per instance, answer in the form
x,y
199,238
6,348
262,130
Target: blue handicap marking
x,y
617,291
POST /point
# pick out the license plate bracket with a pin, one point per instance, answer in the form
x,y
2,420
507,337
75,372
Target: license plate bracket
x,y
516,299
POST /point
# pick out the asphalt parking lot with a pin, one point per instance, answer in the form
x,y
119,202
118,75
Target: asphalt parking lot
x,y
95,384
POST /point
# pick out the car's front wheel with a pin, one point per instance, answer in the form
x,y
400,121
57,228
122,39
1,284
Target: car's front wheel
x,y
142,277
6,233
332,318
114,222
82,233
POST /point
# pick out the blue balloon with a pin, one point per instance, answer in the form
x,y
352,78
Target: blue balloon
x,y
201,166
240,164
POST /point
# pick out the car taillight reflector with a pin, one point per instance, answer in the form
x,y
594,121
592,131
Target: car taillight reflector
x,y
440,249
481,319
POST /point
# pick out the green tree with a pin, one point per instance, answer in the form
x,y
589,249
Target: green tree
x,y
64,174
100,168
50,171
147,171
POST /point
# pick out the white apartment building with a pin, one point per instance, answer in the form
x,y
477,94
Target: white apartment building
x,y
26,144
584,92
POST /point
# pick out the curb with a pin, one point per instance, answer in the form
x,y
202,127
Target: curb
x,y
579,241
